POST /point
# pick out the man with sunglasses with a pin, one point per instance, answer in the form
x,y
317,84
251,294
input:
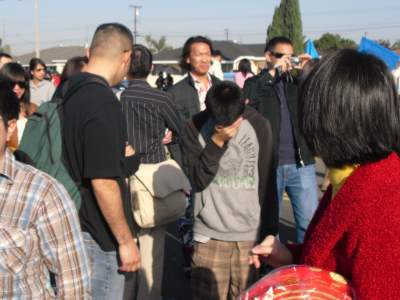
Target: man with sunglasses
x,y
276,95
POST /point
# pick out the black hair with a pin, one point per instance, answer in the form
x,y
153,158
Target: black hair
x,y
244,66
217,53
9,104
34,62
187,47
349,109
271,44
225,103
73,66
3,54
12,73
141,62
111,39
306,70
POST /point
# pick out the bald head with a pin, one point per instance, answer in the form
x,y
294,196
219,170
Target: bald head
x,y
110,40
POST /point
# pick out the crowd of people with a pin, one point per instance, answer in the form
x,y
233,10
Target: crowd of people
x,y
241,144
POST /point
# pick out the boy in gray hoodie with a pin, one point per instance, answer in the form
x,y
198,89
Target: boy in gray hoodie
x,y
228,149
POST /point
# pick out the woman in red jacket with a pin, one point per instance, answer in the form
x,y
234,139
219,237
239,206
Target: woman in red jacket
x,y
351,119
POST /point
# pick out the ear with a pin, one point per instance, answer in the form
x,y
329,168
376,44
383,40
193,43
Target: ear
x,y
87,50
126,57
267,56
188,60
12,126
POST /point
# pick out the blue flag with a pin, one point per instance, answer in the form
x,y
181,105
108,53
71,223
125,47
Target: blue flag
x,y
310,49
388,56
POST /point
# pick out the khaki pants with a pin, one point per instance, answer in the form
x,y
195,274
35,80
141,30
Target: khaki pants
x,y
221,270
149,281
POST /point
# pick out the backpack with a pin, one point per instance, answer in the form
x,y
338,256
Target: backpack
x,y
42,140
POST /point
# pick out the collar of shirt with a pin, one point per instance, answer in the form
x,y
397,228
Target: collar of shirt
x,y
139,82
41,84
7,168
201,89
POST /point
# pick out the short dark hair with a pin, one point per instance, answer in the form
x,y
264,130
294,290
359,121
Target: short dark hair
x,y
3,54
111,39
349,109
34,62
12,73
187,48
271,44
244,66
217,53
141,62
225,103
9,104
73,66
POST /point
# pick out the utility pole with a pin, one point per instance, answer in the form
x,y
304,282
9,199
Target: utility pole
x,y
136,9
226,34
37,29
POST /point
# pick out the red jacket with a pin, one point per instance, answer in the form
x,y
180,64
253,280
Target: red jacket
x,y
357,234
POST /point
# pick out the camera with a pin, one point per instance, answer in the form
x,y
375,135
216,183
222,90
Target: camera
x,y
295,61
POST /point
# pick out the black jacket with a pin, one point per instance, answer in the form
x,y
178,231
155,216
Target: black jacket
x,y
186,99
263,97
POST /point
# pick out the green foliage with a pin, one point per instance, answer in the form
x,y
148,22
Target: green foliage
x,y
396,45
4,48
287,22
329,41
156,46
384,43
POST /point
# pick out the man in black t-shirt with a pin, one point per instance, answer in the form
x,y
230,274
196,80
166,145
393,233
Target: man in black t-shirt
x,y
95,140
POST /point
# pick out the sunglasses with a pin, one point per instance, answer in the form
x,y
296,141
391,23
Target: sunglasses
x,y
40,70
278,55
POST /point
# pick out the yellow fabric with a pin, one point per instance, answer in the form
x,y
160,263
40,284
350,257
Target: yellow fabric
x,y
338,177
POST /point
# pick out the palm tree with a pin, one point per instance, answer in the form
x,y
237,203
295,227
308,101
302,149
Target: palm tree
x,y
157,46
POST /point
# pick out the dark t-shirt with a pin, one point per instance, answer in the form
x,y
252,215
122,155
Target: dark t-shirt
x,y
287,153
94,145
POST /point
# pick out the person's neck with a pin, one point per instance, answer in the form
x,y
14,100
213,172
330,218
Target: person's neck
x,y
103,69
203,78
36,81
271,71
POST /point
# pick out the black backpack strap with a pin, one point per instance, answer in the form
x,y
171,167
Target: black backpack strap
x,y
73,89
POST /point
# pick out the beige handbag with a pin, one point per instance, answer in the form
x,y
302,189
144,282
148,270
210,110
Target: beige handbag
x,y
158,193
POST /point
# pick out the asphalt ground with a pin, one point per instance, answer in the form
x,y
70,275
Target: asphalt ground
x,y
176,286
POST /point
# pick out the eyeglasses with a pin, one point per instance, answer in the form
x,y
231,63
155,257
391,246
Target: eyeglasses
x,y
279,55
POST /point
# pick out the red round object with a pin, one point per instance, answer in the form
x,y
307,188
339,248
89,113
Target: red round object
x,y
299,282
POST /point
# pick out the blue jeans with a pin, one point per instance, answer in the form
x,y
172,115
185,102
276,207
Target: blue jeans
x,y
107,282
300,183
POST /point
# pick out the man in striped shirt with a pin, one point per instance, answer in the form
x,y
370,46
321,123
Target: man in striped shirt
x,y
149,112
39,227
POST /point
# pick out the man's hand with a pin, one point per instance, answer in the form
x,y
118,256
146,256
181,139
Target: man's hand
x,y
130,256
224,134
304,58
272,251
283,64
167,137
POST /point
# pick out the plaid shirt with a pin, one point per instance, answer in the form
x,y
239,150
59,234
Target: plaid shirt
x,y
39,232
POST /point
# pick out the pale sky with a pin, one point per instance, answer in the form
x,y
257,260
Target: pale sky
x,y
72,22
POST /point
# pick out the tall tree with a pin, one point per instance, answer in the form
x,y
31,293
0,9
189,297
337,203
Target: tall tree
x,y
276,27
156,46
4,48
287,22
